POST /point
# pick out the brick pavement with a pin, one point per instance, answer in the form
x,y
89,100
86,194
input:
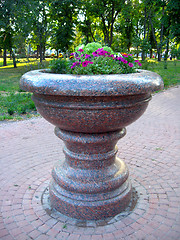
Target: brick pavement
x,y
151,149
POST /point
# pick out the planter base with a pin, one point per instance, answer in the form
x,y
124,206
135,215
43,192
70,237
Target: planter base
x,y
92,183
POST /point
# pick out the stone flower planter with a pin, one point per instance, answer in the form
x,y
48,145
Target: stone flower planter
x,y
90,114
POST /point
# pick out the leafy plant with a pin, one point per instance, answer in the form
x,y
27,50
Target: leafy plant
x,y
14,103
92,60
58,66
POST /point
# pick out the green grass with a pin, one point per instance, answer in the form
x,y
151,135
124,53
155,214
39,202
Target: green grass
x,y
9,76
19,61
16,105
169,71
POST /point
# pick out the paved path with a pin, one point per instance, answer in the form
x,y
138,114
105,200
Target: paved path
x,y
151,149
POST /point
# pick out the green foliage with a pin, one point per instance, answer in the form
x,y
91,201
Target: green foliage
x,y
101,65
89,48
59,65
92,47
9,77
64,15
93,59
106,12
175,52
16,103
170,75
145,45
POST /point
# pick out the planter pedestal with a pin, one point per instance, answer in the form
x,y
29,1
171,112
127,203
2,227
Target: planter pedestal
x,y
92,183
90,114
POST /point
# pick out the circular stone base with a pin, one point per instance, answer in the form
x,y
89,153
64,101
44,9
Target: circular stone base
x,y
91,210
52,212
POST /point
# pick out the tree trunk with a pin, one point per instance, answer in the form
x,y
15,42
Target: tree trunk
x,y
14,60
40,52
143,55
44,50
4,58
37,51
151,53
159,54
11,54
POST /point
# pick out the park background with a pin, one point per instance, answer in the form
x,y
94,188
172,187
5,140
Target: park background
x,y
34,32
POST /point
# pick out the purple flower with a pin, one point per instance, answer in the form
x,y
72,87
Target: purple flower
x,y
137,61
130,65
81,50
85,63
124,61
88,56
103,53
74,64
90,62
111,55
95,54
119,58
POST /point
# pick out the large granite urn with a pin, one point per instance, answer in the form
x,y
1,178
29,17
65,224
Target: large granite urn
x,y
90,114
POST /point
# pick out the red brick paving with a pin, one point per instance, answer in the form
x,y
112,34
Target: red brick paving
x,y
151,149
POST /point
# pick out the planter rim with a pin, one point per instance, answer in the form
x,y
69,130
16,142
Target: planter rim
x,y
44,82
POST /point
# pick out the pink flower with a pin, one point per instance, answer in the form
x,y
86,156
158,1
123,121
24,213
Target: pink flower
x,y
139,64
95,54
85,63
124,61
130,65
74,64
87,56
101,53
119,58
111,55
81,50
137,61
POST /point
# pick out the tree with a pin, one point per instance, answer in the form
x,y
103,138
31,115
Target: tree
x,y
156,15
7,20
87,23
107,11
64,19
173,18
14,19
39,19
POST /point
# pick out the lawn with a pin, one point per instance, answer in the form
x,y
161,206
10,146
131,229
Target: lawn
x,y
169,71
17,105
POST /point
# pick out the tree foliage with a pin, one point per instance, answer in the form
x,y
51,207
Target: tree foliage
x,y
145,25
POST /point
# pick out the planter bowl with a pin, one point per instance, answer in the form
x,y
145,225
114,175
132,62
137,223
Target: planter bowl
x,y
90,114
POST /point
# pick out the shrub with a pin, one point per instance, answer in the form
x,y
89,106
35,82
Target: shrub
x,y
92,60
